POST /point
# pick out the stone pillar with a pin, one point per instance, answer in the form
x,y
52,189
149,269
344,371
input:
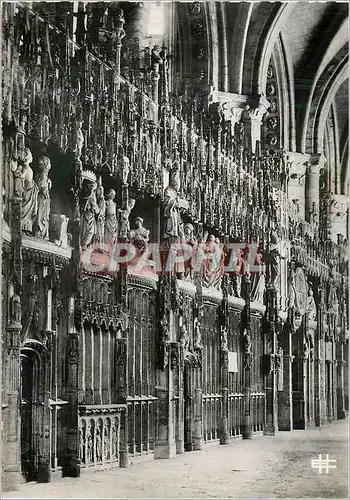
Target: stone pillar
x,y
285,402
320,393
198,411
71,465
312,188
12,380
271,425
341,413
44,459
251,118
120,395
248,358
224,434
11,414
177,366
165,446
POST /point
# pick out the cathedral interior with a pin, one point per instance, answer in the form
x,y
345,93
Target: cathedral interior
x,y
174,228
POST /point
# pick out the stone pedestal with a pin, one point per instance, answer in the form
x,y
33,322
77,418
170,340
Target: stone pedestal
x,y
165,446
198,425
11,414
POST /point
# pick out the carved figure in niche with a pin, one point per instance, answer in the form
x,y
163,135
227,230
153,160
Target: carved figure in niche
x,y
82,444
16,170
90,445
98,445
223,338
214,259
114,441
124,227
15,310
139,236
101,203
184,337
106,443
247,342
191,240
124,169
29,192
88,210
272,260
44,203
197,334
171,209
164,327
111,223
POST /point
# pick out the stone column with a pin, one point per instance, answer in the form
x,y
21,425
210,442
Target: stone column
x,y
271,425
248,355
11,414
198,411
71,465
44,459
341,413
320,399
12,380
251,118
224,434
120,395
165,446
285,403
312,187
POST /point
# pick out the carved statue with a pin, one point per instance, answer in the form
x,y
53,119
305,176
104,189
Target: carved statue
x,y
197,335
191,240
124,228
15,310
171,206
16,170
272,260
90,446
184,337
82,445
89,210
139,236
29,191
79,139
100,221
106,444
111,223
124,169
247,342
223,338
98,445
44,203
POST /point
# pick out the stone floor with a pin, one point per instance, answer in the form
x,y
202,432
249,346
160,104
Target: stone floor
x,y
265,467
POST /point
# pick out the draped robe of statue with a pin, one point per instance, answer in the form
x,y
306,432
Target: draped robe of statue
x,y
100,223
89,210
44,202
172,227
29,194
111,222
